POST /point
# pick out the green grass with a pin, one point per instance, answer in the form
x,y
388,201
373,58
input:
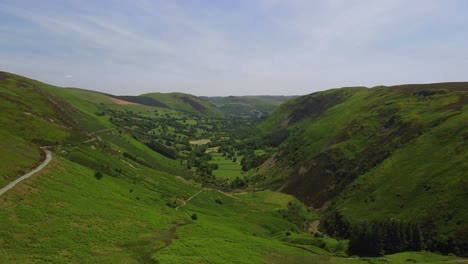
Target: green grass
x,y
405,146
20,156
66,215
28,120
63,214
238,231
227,169
186,103
438,180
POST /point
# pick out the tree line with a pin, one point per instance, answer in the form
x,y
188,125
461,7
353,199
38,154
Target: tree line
x,y
388,236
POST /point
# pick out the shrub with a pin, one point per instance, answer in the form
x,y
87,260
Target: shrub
x,y
98,175
194,217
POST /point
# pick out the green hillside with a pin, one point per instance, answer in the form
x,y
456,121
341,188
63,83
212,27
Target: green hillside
x,y
395,152
114,191
186,103
247,105
30,117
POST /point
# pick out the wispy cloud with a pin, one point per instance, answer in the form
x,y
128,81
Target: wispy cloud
x,y
239,47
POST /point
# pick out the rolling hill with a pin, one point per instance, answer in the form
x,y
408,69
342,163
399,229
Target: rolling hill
x,y
110,194
247,105
186,103
395,152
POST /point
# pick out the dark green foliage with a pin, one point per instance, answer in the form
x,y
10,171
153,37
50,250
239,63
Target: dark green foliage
x,y
377,238
238,183
446,244
251,160
194,217
160,148
295,213
334,224
318,234
98,175
277,137
218,201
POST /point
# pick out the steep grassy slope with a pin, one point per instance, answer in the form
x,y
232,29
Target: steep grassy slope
x,y
66,214
186,103
386,152
30,117
107,198
36,114
247,105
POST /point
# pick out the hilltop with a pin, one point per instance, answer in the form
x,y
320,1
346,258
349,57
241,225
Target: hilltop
x,y
248,105
395,152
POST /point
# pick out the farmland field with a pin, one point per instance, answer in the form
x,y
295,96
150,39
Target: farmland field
x,y
227,169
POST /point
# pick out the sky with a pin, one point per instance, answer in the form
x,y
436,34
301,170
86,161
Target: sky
x,y
234,47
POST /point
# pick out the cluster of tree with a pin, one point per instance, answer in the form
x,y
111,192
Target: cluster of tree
x,y
277,137
375,238
251,160
335,224
227,150
295,213
380,237
172,131
446,244
162,149
238,183
200,160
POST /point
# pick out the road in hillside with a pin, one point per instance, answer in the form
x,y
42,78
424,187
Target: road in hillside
x,y
190,198
43,164
29,174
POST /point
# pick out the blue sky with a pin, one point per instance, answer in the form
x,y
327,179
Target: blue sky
x,y
228,47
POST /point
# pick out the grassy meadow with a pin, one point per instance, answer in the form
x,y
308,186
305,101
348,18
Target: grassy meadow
x,y
227,169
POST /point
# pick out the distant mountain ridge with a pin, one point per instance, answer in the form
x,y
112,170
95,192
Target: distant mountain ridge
x,y
247,105
210,106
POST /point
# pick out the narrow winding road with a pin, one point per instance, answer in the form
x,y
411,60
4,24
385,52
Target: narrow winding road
x,y
29,174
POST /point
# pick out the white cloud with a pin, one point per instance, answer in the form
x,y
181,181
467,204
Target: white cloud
x,y
261,47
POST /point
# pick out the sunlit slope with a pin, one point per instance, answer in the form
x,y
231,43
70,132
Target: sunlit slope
x,y
65,215
35,114
30,117
397,152
186,103
107,198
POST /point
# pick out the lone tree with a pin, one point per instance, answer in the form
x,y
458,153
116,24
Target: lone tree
x,y
194,217
98,175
